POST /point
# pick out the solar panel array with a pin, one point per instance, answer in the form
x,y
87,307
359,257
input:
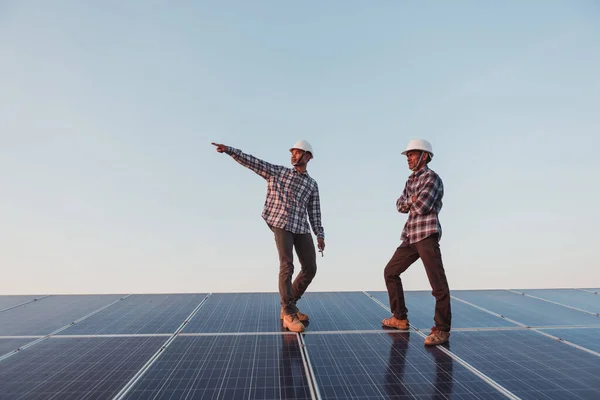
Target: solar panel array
x,y
516,344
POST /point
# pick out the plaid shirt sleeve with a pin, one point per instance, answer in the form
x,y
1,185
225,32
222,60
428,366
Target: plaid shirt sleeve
x,y
259,166
403,204
314,213
427,196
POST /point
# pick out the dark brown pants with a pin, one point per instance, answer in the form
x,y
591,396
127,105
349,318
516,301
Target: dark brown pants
x,y
305,250
428,250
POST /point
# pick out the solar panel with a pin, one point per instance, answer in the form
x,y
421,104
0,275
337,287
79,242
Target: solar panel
x,y
51,313
75,368
586,337
570,297
227,367
421,307
530,365
7,302
140,314
237,312
593,290
8,345
524,309
341,311
234,346
389,366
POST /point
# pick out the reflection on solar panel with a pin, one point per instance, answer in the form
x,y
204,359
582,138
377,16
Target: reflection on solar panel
x,y
526,310
152,313
49,314
529,365
585,337
421,306
569,297
228,367
237,312
392,365
504,344
341,311
75,368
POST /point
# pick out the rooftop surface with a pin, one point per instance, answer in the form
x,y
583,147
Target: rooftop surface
x,y
522,343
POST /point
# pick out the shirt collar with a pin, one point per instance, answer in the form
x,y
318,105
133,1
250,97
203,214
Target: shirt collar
x,y
305,173
420,172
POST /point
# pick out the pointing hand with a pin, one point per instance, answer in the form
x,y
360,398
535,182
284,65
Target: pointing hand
x,y
221,148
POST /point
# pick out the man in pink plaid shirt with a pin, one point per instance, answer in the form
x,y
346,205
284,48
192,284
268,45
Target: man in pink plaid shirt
x,y
291,195
422,200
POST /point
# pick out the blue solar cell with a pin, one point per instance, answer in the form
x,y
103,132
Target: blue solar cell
x,y
47,315
524,309
421,306
585,337
139,314
227,367
237,312
75,368
341,311
389,366
12,301
530,365
571,297
8,345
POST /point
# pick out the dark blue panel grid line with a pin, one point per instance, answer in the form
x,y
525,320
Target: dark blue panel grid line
x,y
570,297
237,312
524,309
75,368
421,308
227,367
393,365
584,337
341,311
140,314
8,345
46,316
13,300
530,365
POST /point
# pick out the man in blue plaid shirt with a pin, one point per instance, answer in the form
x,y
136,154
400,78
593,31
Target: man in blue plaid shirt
x,y
291,195
422,200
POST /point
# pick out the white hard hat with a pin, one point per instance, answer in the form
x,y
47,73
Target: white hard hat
x,y
419,144
303,145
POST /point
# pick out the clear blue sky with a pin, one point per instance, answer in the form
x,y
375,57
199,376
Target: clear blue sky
x,y
107,110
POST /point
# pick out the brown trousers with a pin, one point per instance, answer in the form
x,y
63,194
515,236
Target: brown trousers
x,y
305,250
428,250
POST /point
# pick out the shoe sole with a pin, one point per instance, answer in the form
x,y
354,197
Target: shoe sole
x,y
436,344
396,327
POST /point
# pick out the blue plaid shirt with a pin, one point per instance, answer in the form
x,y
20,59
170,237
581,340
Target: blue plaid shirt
x,y
291,195
423,218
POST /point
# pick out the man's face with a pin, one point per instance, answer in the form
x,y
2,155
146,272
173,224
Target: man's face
x,y
413,158
297,155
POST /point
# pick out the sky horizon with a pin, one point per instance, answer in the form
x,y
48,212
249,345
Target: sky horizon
x,y
110,183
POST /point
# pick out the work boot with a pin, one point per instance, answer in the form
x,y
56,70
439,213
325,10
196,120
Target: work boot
x,y
302,317
292,323
396,323
436,337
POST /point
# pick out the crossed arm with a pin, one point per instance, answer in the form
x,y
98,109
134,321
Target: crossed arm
x,y
421,203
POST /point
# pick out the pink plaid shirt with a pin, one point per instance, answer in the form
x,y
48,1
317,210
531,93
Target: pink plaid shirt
x,y
290,195
423,218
